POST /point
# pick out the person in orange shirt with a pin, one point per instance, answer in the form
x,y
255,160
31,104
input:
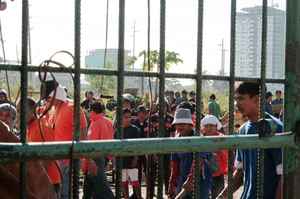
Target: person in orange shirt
x,y
38,131
101,128
61,116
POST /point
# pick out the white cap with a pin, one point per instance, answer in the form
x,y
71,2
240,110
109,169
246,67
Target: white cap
x,y
60,94
183,116
211,119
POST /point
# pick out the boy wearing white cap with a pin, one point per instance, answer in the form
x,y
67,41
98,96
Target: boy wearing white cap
x,y
210,126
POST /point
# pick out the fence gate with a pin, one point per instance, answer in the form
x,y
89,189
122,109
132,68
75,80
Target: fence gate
x,y
77,149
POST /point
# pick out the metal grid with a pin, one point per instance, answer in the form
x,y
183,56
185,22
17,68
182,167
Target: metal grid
x,y
79,149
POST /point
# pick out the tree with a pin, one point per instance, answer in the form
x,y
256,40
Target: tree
x,y
103,84
171,58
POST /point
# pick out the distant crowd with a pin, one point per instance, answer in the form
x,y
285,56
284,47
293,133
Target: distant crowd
x,y
51,119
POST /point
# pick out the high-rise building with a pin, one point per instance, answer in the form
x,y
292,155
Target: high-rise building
x,y
95,58
248,42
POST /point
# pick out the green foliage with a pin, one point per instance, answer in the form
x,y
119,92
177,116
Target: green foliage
x,y
102,84
171,58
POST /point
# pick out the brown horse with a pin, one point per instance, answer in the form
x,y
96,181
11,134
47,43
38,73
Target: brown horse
x,y
38,185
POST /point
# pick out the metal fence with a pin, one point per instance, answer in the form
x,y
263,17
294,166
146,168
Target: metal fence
x,y
26,151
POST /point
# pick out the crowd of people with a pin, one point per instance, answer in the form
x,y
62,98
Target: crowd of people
x,y
51,119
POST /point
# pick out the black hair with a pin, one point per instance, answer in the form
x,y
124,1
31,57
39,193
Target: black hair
x,y
97,107
248,88
154,118
141,108
212,96
88,92
192,93
268,94
187,105
126,110
47,87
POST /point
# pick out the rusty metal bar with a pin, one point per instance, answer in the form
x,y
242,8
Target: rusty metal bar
x,y
231,93
161,94
11,67
23,88
74,179
123,147
291,166
261,152
198,93
120,88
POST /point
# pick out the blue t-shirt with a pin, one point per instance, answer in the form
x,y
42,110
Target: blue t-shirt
x,y
248,157
185,163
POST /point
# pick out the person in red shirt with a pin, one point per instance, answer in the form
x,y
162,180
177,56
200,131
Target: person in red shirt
x,y
38,131
210,126
61,116
101,128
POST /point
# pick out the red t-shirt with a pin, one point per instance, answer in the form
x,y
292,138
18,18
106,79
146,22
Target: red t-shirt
x,y
100,128
63,122
40,133
222,160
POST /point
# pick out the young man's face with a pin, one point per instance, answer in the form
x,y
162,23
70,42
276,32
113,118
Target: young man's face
x,y
184,129
246,104
5,117
278,95
90,96
269,99
3,98
126,120
209,129
126,104
141,115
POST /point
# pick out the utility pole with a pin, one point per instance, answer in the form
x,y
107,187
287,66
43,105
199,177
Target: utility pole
x,y
223,50
106,33
134,31
106,41
133,41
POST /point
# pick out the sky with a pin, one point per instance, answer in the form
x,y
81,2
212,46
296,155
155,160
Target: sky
x,y
52,28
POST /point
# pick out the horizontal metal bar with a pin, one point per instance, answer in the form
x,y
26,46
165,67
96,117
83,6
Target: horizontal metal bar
x,y
136,73
60,150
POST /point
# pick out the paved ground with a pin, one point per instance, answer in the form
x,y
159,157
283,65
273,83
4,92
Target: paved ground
x,y
236,195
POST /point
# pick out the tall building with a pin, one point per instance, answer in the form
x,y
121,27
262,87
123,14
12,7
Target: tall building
x,y
95,58
248,42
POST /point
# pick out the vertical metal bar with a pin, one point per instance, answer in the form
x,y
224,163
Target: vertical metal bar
x,y
260,152
106,34
120,91
231,93
24,86
76,115
291,160
161,93
198,92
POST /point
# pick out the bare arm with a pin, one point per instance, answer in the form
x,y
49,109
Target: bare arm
x,y
237,181
279,189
